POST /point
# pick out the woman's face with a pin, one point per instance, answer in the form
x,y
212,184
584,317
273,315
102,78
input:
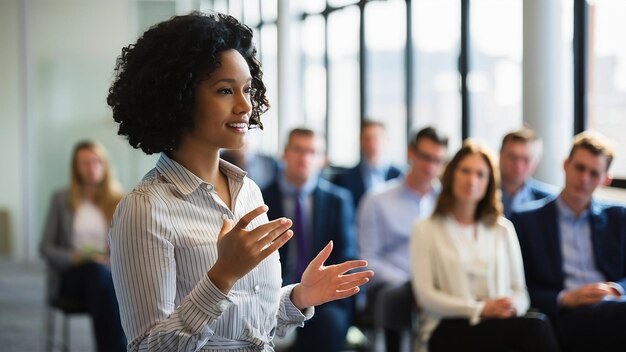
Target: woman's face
x,y
471,179
90,167
222,105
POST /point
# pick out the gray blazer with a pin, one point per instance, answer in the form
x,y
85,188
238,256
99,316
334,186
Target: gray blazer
x,y
57,240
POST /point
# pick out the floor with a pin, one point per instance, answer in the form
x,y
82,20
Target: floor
x,y
22,311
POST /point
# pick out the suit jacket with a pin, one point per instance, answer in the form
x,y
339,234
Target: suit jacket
x,y
352,180
332,218
539,236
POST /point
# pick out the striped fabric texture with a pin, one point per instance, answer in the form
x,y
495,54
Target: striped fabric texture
x,y
163,242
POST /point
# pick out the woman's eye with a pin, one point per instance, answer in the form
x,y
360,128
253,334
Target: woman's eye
x,y
225,91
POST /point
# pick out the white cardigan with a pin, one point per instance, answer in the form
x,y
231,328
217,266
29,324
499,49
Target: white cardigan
x,y
440,282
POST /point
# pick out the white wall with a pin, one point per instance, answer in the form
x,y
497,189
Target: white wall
x,y
68,49
10,113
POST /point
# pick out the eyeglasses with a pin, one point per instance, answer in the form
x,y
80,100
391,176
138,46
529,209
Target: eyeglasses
x,y
427,158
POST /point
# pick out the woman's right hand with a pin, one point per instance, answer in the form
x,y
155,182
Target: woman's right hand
x,y
499,308
239,250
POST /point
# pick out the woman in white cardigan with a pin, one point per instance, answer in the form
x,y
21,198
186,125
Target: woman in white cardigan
x,y
467,267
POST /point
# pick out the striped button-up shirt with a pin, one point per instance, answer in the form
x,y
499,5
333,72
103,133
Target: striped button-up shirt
x,y
163,242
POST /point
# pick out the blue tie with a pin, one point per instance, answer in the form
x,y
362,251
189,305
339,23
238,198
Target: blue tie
x,y
301,239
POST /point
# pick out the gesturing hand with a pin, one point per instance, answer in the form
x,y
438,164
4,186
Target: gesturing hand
x,y
321,284
239,251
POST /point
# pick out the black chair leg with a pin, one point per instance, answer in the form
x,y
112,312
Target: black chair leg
x,y
66,333
49,339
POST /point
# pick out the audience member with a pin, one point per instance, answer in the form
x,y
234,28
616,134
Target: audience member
x,y
262,169
467,267
373,170
75,243
519,155
193,256
321,212
574,251
385,217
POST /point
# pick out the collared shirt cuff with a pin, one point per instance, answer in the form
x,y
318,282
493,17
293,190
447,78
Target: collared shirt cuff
x,y
209,299
475,318
292,312
617,287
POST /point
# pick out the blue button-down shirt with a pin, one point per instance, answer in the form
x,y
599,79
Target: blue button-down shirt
x,y
579,265
373,176
385,218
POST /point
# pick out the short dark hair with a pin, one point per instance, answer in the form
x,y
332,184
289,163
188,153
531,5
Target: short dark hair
x,y
371,123
429,133
524,135
594,143
153,93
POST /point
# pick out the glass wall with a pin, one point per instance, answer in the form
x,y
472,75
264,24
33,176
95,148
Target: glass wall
x,y
436,42
495,64
606,88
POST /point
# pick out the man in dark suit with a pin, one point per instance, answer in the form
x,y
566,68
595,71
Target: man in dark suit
x,y
321,212
372,170
574,252
519,155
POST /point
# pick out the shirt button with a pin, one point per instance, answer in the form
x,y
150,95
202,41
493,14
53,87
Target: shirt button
x,y
257,288
209,187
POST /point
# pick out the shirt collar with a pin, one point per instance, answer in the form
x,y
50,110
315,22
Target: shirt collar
x,y
565,213
435,189
288,188
186,181
367,167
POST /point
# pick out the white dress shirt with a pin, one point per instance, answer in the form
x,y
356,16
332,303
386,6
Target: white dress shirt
x,y
163,243
90,229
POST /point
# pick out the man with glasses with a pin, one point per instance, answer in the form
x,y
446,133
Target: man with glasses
x,y
384,221
321,212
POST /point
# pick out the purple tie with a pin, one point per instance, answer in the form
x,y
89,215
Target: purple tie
x,y
301,239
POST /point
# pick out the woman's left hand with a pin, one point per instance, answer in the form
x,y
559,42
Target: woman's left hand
x,y
321,284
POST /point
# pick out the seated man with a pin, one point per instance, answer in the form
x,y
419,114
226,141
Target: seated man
x,y
384,219
519,155
321,212
373,170
574,252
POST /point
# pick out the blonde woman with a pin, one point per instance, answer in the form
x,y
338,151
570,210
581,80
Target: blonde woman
x,y
467,267
74,243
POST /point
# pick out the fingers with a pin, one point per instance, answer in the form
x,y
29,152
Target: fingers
x,y
246,219
321,257
271,231
278,242
352,283
349,265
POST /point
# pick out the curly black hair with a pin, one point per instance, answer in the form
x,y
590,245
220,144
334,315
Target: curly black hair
x,y
152,94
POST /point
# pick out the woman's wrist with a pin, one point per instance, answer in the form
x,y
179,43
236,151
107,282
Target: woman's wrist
x,y
296,298
223,282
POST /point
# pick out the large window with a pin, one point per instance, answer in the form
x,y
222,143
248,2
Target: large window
x,y
385,98
343,71
436,42
495,76
314,71
606,89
